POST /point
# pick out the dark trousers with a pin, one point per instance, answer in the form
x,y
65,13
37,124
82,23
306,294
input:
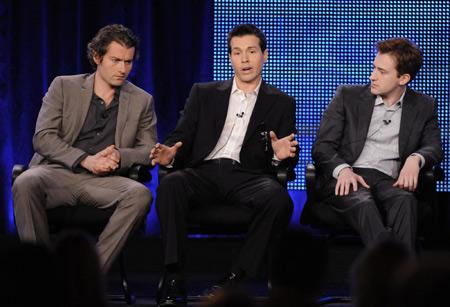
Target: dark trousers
x,y
379,211
229,185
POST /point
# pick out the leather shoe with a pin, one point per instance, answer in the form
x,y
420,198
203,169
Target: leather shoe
x,y
230,281
175,295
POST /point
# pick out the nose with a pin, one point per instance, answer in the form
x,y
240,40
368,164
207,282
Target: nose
x,y
372,76
121,67
244,58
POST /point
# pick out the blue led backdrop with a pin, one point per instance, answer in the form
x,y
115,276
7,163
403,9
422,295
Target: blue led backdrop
x,y
314,46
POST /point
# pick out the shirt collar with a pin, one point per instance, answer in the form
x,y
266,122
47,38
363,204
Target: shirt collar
x,y
234,88
379,100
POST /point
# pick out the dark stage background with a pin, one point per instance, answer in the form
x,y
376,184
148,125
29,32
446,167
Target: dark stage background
x,y
313,47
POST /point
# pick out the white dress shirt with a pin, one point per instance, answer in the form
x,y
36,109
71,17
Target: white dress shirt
x,y
240,109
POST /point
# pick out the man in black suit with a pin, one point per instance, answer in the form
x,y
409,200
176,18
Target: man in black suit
x,y
225,148
372,143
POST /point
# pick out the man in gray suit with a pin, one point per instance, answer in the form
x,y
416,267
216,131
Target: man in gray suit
x,y
372,143
91,128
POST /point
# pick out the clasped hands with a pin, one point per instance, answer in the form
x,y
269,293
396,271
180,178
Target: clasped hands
x,y
407,179
283,148
103,162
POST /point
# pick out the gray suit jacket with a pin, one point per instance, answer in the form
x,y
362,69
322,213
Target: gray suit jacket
x,y
345,123
64,110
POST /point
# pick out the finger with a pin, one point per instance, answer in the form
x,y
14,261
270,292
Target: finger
x,y
273,136
363,182
396,184
178,145
336,189
346,188
291,137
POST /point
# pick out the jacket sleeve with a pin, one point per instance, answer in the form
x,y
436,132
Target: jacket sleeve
x,y
137,148
47,140
325,150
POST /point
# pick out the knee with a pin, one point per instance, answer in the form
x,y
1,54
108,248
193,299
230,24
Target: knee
x,y
27,182
143,198
171,180
277,199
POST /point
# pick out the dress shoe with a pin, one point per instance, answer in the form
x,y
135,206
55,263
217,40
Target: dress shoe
x,y
175,295
230,281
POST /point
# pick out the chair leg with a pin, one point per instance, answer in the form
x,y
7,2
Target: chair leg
x,y
159,291
123,271
127,297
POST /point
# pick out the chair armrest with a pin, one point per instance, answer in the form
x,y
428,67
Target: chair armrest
x,y
285,174
310,181
433,174
140,173
16,171
163,171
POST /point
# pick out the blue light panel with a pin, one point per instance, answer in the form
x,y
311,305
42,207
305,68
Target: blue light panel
x,y
314,46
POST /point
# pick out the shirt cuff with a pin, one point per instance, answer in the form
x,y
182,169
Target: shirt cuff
x,y
76,167
275,160
338,169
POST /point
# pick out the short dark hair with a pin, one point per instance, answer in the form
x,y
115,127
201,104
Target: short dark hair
x,y
115,32
408,57
247,29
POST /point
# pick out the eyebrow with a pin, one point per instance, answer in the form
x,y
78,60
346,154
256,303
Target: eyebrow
x,y
249,47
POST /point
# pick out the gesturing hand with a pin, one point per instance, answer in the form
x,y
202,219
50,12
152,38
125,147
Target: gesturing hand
x,y
285,147
163,154
409,175
347,178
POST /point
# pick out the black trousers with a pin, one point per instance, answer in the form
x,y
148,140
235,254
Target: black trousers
x,y
379,211
230,185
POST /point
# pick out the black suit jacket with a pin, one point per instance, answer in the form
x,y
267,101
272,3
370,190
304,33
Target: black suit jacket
x,y
203,118
345,123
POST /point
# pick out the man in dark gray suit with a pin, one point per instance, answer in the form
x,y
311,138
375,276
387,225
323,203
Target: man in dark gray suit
x,y
225,149
91,128
372,142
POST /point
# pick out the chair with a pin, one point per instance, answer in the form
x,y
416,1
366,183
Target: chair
x,y
91,220
218,219
318,215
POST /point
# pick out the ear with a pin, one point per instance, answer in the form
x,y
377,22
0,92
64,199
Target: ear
x,y
266,55
404,79
96,58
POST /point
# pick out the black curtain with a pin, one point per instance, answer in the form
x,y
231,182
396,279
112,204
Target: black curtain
x,y
40,40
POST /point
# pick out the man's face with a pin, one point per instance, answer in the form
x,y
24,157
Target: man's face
x,y
385,79
116,64
247,60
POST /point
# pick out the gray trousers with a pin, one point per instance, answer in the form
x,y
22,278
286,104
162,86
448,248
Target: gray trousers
x,y
382,210
48,186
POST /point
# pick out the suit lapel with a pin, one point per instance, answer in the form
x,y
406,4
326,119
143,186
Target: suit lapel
x,y
409,114
124,107
263,104
365,110
84,101
221,106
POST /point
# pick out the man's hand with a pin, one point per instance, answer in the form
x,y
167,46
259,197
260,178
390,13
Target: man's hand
x,y
283,148
111,152
409,175
103,162
345,179
163,154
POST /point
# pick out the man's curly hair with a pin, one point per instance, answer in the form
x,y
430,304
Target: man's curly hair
x,y
99,44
